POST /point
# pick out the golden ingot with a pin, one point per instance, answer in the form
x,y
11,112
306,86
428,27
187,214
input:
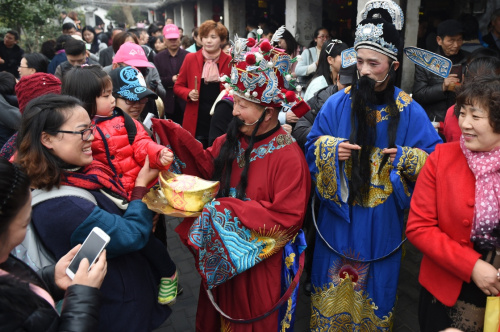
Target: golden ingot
x,y
187,192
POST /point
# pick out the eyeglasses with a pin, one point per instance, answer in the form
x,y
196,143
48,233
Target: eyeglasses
x,y
86,133
133,102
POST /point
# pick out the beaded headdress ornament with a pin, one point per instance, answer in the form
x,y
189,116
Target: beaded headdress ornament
x,y
262,74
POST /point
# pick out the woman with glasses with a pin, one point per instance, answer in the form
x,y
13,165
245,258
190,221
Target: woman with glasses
x,y
328,67
33,63
121,141
307,66
55,148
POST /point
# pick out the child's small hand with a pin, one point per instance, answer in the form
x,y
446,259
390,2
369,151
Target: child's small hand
x,y
166,157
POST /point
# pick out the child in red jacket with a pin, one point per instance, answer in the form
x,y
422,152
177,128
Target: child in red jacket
x,y
123,144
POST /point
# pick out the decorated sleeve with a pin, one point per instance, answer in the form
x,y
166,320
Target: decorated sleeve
x,y
189,155
232,235
326,170
419,142
407,166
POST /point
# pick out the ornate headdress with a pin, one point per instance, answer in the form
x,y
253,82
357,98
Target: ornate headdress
x,y
386,9
378,30
261,74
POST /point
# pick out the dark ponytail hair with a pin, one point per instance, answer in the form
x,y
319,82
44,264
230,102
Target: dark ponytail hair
x,y
15,193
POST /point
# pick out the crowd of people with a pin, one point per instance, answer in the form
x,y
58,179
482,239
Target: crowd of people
x,y
319,161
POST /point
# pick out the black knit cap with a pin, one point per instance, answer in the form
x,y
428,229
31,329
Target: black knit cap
x,y
379,35
449,28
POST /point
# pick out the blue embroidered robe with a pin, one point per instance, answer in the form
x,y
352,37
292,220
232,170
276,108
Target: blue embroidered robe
x,y
349,292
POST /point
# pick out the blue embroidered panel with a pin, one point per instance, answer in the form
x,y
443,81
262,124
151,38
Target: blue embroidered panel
x,y
433,62
348,57
227,248
276,143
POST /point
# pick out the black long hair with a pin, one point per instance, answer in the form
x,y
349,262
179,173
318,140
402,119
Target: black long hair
x,y
328,50
291,43
364,130
94,47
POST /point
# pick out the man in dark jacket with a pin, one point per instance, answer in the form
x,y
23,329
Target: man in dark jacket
x,y
168,63
434,93
106,55
76,54
10,53
493,38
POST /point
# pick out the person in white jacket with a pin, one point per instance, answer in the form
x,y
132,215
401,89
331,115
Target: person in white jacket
x,y
307,66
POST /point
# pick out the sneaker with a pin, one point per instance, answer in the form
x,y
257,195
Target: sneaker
x,y
167,293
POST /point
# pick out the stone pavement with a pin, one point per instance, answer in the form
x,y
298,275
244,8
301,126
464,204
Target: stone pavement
x,y
184,311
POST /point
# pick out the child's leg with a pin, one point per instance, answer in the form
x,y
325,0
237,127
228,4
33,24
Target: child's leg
x,y
158,256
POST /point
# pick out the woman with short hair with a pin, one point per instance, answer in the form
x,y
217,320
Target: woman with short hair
x,y
458,231
198,81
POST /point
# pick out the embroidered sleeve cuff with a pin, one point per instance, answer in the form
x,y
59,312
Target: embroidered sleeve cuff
x,y
327,162
409,161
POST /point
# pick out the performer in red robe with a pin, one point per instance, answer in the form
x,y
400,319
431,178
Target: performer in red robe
x,y
247,242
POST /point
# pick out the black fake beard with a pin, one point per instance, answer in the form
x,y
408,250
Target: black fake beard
x,y
364,131
228,153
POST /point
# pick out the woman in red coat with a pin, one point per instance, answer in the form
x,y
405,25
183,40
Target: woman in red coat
x,y
454,216
198,81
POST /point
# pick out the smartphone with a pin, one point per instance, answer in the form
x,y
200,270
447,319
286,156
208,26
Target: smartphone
x,y
457,69
91,248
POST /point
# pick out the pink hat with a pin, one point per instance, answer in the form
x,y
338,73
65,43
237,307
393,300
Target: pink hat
x,y
171,31
132,55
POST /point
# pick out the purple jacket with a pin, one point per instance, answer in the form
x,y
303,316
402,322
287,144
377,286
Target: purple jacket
x,y
169,66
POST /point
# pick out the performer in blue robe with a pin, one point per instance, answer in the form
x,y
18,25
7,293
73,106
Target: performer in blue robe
x,y
365,151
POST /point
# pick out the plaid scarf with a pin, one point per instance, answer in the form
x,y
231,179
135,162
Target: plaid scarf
x,y
94,177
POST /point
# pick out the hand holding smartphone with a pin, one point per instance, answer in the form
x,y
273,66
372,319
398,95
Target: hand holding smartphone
x,y
91,248
457,69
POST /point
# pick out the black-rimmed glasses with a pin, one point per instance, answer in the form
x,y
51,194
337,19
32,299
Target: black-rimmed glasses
x,y
86,133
